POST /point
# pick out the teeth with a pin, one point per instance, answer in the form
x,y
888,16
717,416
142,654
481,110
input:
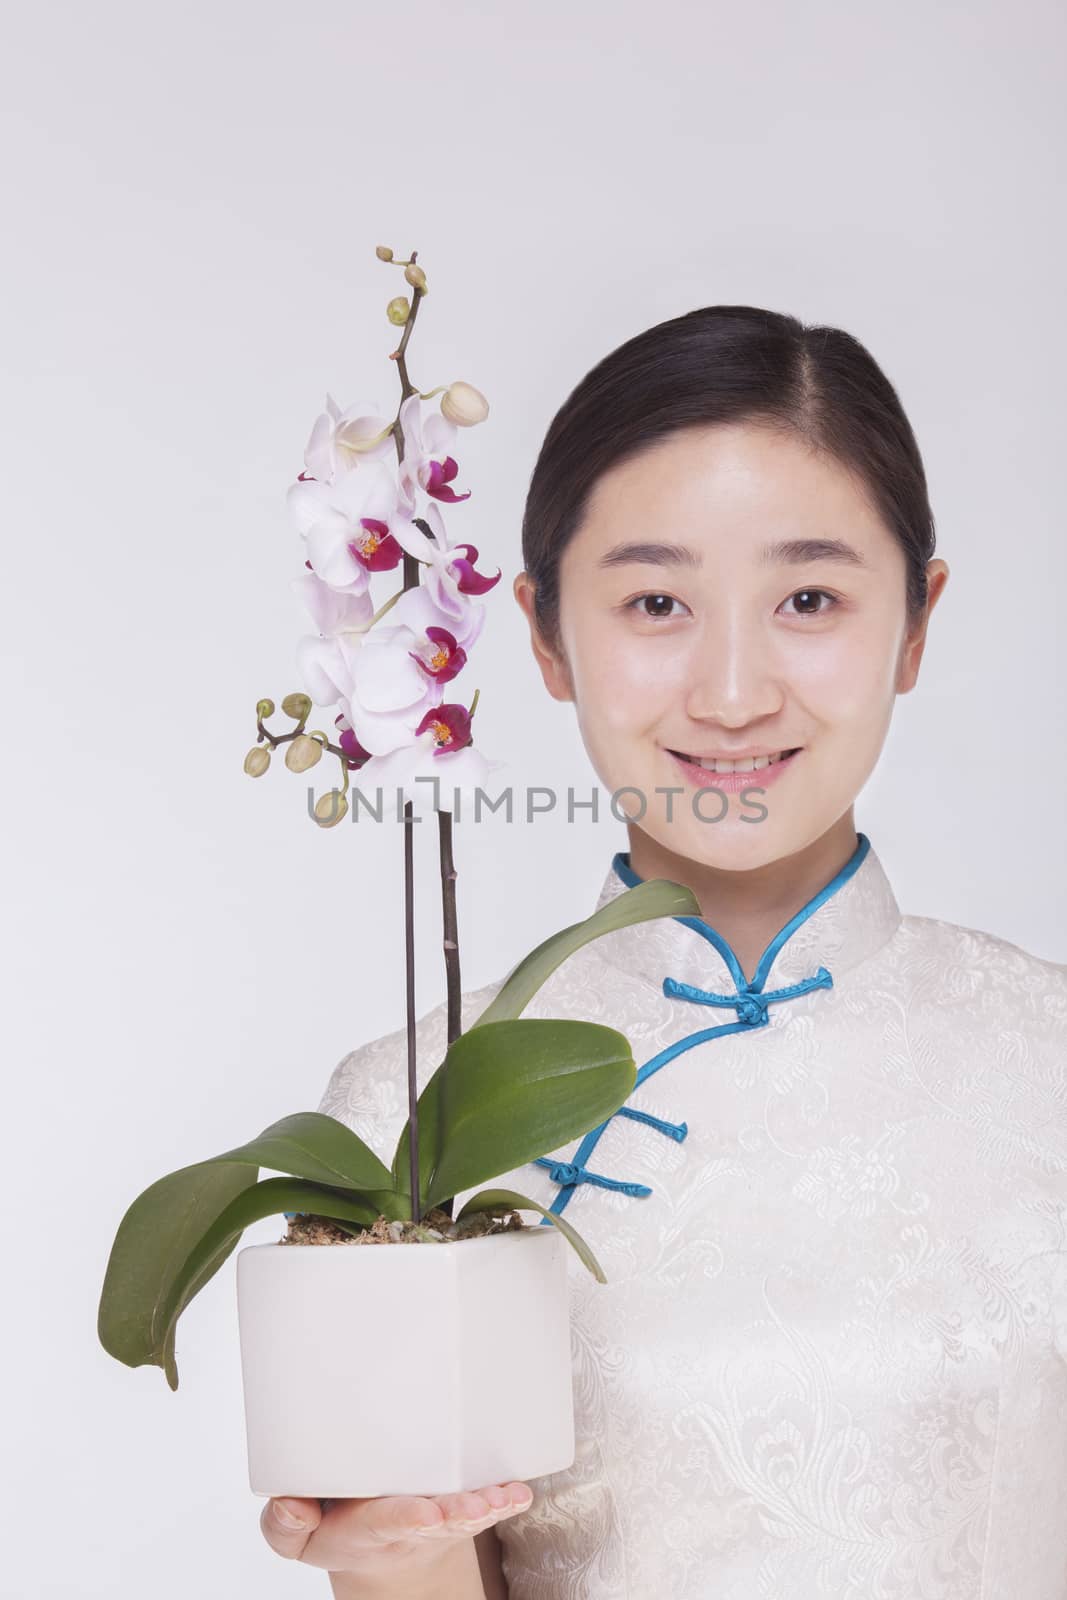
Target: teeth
x,y
753,764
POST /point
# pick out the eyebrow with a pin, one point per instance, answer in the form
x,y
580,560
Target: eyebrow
x,y
782,552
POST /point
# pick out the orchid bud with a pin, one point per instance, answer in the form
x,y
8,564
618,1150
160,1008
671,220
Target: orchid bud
x,y
330,808
303,753
264,708
297,706
415,276
464,405
257,761
384,253
398,311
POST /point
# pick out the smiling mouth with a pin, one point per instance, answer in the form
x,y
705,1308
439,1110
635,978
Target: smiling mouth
x,y
751,764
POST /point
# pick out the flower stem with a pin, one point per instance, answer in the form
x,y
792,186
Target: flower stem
x,y
450,933
411,578
382,609
450,939
409,985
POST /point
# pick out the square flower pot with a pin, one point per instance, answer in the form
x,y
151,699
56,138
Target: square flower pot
x,y
385,1369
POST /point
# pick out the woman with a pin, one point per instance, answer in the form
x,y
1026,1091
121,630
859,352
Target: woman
x,y
831,1354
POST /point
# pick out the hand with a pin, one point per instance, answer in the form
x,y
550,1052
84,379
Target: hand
x,y
386,1537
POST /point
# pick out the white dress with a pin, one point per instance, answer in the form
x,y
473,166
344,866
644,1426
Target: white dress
x,y
831,1355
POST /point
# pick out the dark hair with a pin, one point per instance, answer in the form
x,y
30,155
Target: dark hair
x,y
727,364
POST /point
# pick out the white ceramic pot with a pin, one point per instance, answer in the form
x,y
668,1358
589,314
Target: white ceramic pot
x,y
405,1368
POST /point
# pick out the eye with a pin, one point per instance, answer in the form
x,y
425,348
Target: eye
x,y
807,596
658,600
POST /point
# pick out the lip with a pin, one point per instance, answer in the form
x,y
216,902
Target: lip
x,y
749,754
733,782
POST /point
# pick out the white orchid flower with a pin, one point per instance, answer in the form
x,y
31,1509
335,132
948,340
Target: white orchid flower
x,y
417,610
325,668
341,440
391,691
324,661
349,527
332,610
428,464
437,750
450,578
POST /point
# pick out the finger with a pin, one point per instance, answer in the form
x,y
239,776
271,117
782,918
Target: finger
x,y
475,1510
516,1496
464,1507
497,1496
287,1525
399,1516
375,1524
506,1497
358,1535
386,1519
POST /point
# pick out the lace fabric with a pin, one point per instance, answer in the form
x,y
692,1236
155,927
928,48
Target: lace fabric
x,y
831,1355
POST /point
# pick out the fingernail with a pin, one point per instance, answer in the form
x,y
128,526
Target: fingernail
x,y
287,1516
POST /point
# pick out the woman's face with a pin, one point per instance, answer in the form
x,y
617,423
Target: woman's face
x,y
731,593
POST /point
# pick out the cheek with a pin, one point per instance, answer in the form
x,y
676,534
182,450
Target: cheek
x,y
623,686
849,678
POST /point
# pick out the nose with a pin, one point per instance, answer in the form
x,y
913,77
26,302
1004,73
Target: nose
x,y
733,676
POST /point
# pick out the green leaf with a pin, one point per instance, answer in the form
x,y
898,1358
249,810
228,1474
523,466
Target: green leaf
x,y
311,1145
164,1225
154,1238
508,1200
510,1091
657,897
260,1200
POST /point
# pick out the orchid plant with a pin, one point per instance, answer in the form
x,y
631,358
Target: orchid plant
x,y
509,1089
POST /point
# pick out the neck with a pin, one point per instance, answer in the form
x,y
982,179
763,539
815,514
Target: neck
x,y
749,907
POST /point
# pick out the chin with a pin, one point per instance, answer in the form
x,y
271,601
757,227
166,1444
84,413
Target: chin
x,y
729,846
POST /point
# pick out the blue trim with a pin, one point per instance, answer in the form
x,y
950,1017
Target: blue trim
x,y
750,1004
675,1130
750,1001
622,867
569,1174
573,1173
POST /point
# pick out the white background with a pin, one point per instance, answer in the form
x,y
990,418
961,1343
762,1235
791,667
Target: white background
x,y
192,201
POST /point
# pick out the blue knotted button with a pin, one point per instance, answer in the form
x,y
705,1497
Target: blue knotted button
x,y
751,1011
568,1174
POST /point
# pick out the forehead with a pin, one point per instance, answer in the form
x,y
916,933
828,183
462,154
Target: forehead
x,y
728,481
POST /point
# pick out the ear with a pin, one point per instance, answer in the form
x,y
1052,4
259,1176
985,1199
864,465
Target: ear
x,y
912,651
553,666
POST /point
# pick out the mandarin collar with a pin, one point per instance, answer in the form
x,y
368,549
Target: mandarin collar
x,y
846,921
